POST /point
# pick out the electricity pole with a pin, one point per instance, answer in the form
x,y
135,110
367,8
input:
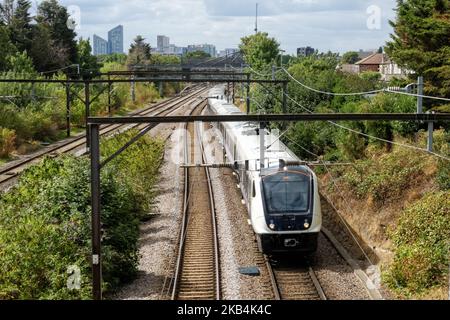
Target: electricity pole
x,y
256,21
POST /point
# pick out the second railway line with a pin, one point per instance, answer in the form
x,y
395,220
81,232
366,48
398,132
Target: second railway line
x,y
11,171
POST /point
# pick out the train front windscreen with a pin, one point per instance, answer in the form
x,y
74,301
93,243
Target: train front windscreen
x,y
287,192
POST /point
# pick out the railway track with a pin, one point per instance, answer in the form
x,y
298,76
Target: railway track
x,y
294,280
10,172
197,275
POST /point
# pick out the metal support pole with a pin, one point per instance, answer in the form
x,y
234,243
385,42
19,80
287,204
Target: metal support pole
x,y
420,93
262,144
284,106
87,102
33,91
161,89
248,94
273,72
133,90
109,95
430,136
68,108
234,93
95,203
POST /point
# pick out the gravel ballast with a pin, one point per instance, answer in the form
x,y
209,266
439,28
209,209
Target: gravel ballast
x,y
159,236
237,244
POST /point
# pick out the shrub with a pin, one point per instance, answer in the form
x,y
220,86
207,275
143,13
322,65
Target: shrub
x,y
7,142
386,177
138,166
422,244
442,146
45,223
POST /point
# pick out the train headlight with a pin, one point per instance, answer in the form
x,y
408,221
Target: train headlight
x,y
272,226
306,225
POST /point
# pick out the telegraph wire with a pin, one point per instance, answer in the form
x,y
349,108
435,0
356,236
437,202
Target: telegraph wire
x,y
361,93
332,93
340,194
372,137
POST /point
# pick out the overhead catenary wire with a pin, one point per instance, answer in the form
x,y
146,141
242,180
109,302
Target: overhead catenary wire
x,y
337,211
355,131
60,69
361,93
331,93
372,137
417,95
261,74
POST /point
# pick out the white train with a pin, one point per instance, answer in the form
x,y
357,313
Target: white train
x,y
282,199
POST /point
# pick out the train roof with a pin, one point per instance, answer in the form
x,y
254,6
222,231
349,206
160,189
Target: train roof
x,y
247,136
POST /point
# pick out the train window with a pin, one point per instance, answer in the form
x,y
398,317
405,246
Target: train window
x,y
287,192
253,189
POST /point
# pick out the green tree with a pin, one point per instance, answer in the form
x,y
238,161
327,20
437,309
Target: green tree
x,y
140,52
421,41
161,59
7,48
20,26
88,63
21,63
316,72
350,57
198,55
54,16
6,12
259,50
47,54
120,58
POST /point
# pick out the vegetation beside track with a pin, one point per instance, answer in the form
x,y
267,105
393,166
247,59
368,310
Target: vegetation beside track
x,y
394,197
38,45
45,222
401,202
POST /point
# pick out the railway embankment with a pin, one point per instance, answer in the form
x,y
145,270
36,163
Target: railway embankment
x,y
397,206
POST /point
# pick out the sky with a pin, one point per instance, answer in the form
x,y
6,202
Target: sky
x,y
336,25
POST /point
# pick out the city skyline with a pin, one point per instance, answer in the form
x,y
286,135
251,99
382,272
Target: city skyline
x,y
114,44
322,24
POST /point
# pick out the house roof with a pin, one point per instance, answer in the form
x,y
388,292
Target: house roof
x,y
376,58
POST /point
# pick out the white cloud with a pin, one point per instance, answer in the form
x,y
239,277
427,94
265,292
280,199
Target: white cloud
x,y
324,24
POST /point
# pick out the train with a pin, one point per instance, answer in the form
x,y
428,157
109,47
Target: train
x,y
281,195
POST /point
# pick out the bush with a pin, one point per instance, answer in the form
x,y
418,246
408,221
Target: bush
x,y
386,177
45,223
138,166
442,146
7,142
422,244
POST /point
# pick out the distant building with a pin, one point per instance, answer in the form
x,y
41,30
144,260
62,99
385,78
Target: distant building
x,y
389,70
163,43
348,68
305,51
207,48
175,51
371,63
115,40
100,45
228,52
113,45
376,62
362,54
